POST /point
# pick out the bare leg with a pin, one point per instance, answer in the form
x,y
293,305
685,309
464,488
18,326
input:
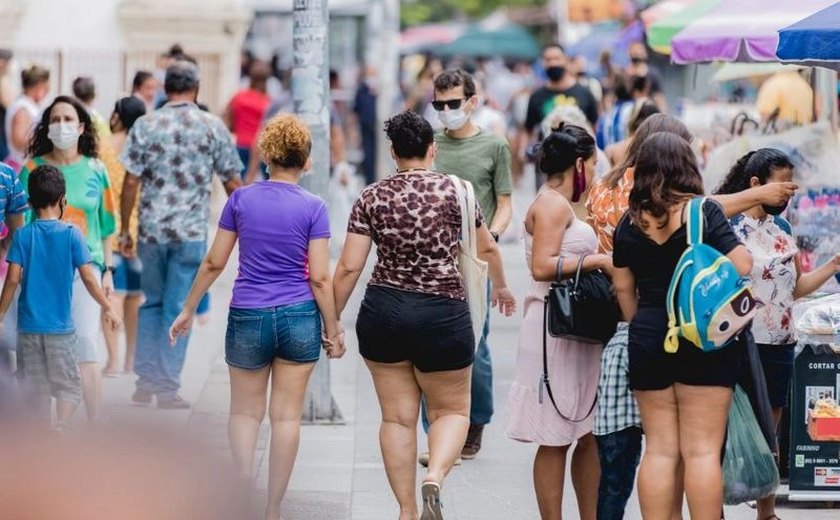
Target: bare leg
x,y
703,413
658,471
399,401
112,339
288,389
549,476
248,398
131,310
679,492
448,406
64,411
586,475
767,506
91,389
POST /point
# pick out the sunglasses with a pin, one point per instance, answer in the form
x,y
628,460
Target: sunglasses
x,y
453,104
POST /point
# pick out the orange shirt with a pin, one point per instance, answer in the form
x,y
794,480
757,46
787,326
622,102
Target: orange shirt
x,y
606,206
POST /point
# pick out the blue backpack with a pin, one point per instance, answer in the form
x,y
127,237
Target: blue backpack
x,y
709,303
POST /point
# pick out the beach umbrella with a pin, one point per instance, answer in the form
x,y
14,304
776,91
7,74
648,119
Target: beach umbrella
x,y
662,30
814,40
511,41
740,30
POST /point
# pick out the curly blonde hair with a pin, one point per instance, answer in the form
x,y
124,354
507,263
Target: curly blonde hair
x,y
285,142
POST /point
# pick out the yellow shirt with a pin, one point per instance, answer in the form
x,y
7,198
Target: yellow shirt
x,y
790,94
116,174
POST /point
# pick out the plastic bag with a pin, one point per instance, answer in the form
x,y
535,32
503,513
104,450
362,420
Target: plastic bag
x,y
749,468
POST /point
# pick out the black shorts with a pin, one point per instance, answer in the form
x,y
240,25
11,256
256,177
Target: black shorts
x,y
777,362
433,332
651,368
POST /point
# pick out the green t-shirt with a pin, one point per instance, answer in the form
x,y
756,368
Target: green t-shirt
x,y
90,203
484,160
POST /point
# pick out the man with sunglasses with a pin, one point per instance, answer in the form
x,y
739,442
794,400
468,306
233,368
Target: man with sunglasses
x,y
639,67
482,158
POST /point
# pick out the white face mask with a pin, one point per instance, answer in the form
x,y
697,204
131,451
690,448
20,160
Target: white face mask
x,y
453,119
64,135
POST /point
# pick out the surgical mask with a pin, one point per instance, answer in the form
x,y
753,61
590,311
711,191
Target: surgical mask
x,y
453,119
555,73
64,135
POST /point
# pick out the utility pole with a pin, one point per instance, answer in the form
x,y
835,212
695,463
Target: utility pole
x,y
382,53
310,92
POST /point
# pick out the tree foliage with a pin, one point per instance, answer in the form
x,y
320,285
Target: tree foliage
x,y
415,12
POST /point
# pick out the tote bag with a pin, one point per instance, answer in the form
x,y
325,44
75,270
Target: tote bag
x,y
473,269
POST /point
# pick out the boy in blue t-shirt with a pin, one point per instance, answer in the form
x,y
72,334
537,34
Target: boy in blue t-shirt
x,y
43,260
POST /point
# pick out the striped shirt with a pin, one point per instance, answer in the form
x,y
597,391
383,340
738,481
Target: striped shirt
x,y
13,200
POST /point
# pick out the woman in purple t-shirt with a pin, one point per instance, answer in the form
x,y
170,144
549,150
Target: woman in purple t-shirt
x,y
282,295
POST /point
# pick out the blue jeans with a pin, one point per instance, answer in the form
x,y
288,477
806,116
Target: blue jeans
x,y
168,273
619,455
481,392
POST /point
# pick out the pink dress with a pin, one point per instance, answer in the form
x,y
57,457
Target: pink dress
x,y
573,367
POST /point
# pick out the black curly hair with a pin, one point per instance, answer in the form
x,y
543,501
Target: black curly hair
x,y
563,146
41,145
759,164
410,135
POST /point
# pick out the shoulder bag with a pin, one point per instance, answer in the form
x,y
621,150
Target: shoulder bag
x,y
473,269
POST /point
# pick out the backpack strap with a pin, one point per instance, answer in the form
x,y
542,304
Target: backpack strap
x,y
694,220
672,338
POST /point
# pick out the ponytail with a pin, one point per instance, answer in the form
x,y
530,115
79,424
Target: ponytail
x,y
563,146
759,164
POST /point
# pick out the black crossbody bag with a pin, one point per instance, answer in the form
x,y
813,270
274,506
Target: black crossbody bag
x,y
581,308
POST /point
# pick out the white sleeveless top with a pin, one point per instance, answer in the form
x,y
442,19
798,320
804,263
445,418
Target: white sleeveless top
x,y
22,103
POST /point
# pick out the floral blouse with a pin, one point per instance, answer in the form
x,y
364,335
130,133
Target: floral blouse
x,y
606,206
773,276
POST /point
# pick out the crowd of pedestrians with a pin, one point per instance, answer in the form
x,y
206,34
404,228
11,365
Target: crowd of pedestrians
x,y
106,222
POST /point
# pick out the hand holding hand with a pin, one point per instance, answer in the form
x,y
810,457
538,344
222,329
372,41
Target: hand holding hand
x,y
181,326
504,299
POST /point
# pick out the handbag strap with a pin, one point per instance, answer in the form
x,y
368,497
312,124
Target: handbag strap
x,y
558,275
544,380
466,200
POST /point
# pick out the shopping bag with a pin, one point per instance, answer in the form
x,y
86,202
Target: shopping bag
x,y
474,271
749,467
754,384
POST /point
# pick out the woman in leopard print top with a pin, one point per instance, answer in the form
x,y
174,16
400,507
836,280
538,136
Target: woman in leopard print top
x,y
414,326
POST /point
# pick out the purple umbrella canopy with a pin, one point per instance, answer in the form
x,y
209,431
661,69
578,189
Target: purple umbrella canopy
x,y
740,30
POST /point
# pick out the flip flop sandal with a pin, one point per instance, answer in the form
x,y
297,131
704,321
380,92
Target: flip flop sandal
x,y
432,508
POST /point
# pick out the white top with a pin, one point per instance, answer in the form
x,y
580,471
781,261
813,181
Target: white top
x,y
22,103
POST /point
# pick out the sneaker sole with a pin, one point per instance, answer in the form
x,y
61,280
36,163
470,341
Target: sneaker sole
x,y
469,456
431,502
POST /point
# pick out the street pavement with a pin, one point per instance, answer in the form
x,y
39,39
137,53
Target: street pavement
x,y
339,473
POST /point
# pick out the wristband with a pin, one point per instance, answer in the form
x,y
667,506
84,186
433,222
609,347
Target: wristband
x,y
495,236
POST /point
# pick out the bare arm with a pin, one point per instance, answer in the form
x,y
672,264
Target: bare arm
x,y
227,117
232,185
772,194
625,292
88,275
10,287
254,160
337,145
13,223
211,268
551,218
320,280
21,130
128,199
809,283
742,259
350,265
504,213
488,250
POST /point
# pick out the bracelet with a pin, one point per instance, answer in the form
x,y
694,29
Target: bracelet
x,y
109,269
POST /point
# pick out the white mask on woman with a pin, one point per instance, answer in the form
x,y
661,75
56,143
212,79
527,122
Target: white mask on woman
x,y
64,136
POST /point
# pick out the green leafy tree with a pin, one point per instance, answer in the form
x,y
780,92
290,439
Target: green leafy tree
x,y
415,12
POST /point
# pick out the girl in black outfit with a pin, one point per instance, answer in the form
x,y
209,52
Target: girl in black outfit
x,y
684,397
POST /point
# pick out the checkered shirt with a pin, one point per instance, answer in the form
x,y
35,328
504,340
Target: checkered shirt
x,y
617,408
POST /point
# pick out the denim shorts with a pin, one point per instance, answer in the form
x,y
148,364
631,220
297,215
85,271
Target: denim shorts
x,y
255,337
127,275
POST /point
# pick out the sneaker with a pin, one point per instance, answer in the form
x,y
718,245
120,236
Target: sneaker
x,y
423,459
176,403
473,444
142,397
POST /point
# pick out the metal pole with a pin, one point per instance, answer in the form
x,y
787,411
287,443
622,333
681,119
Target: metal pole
x,y
310,92
382,52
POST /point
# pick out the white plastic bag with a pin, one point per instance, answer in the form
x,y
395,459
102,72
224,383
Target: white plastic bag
x,y
473,269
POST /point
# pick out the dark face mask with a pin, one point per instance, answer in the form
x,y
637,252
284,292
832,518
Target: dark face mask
x,y
555,73
774,210
579,185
